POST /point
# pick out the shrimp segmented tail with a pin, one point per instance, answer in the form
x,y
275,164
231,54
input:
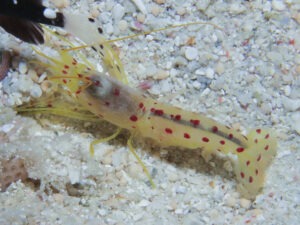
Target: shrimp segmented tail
x,y
252,163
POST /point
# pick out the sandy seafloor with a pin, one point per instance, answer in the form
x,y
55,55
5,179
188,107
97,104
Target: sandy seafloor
x,y
245,76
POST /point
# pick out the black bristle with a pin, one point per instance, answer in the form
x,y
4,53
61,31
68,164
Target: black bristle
x,y
25,30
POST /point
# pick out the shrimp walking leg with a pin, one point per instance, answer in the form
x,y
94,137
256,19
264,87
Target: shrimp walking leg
x,y
132,150
98,141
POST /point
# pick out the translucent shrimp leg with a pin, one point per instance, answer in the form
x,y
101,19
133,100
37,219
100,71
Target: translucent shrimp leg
x,y
132,150
72,45
98,141
58,108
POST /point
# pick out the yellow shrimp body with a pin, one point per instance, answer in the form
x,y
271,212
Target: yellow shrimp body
x,y
171,126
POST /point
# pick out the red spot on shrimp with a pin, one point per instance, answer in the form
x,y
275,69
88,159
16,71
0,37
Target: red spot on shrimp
x,y
259,158
116,91
64,71
79,75
256,172
168,131
195,122
66,67
248,163
158,112
258,131
78,92
222,142
230,136
256,141
267,147
133,118
186,135
205,139
141,105
240,149
267,136
250,179
178,117
242,175
214,129
97,82
65,81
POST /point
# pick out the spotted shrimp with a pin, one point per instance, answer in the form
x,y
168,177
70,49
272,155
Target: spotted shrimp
x,y
127,108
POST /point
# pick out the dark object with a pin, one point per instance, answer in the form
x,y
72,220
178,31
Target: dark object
x,y
4,65
12,170
22,17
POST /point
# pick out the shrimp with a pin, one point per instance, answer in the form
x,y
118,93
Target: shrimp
x,y
127,108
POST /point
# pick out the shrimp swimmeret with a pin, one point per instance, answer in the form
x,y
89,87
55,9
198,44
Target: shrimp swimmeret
x,y
128,108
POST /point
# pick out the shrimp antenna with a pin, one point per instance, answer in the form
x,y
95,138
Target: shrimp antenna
x,y
163,29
